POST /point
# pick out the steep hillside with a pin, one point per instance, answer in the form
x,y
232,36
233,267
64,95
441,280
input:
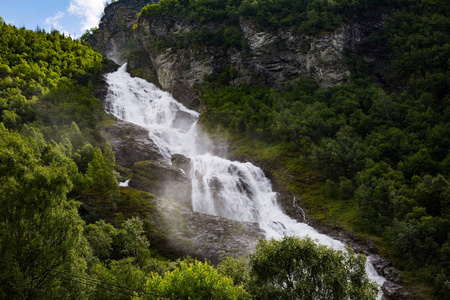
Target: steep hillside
x,y
345,104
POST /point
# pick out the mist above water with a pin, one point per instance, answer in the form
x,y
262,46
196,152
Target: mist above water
x,y
220,187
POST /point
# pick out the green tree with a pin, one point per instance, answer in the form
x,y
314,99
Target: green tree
x,y
101,172
100,237
294,268
135,242
235,268
40,230
119,272
193,280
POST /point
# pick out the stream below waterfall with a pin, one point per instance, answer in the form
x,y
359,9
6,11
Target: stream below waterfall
x,y
230,189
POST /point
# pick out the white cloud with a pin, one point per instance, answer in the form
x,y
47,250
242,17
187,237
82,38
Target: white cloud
x,y
53,21
88,10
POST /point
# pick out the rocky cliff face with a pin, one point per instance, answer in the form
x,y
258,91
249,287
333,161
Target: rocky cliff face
x,y
175,227
114,37
271,57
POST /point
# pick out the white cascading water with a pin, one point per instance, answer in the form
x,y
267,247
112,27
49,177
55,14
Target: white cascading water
x,y
220,187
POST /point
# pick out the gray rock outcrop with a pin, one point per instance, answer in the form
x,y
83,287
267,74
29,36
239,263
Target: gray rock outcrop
x,y
183,120
182,162
272,57
205,236
130,143
114,36
165,181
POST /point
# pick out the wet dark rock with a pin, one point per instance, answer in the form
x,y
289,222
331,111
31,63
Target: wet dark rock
x,y
243,187
394,291
198,175
182,162
162,180
115,37
140,65
130,143
183,120
205,236
215,184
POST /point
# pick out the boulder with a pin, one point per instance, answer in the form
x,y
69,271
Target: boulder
x,y
130,143
182,162
205,236
162,180
183,120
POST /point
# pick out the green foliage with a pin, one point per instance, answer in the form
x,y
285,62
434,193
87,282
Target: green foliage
x,y
32,64
295,268
39,226
100,237
310,16
193,280
385,153
135,241
120,273
100,171
127,240
235,268
49,122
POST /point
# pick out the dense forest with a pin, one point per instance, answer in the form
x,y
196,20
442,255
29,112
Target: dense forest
x,y
52,155
307,16
383,148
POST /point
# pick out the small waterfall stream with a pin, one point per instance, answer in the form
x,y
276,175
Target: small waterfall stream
x,y
221,187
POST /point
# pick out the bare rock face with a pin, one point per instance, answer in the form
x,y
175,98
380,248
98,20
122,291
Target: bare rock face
x,y
205,236
273,57
165,181
283,55
182,162
130,143
139,65
114,37
179,72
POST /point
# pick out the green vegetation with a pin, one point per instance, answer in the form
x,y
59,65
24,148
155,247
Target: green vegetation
x,y
49,119
217,21
310,16
385,154
193,280
51,155
294,268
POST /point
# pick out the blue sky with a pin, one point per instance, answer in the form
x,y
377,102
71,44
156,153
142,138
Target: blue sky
x,y
72,17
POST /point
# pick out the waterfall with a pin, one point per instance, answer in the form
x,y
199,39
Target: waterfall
x,y
221,187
